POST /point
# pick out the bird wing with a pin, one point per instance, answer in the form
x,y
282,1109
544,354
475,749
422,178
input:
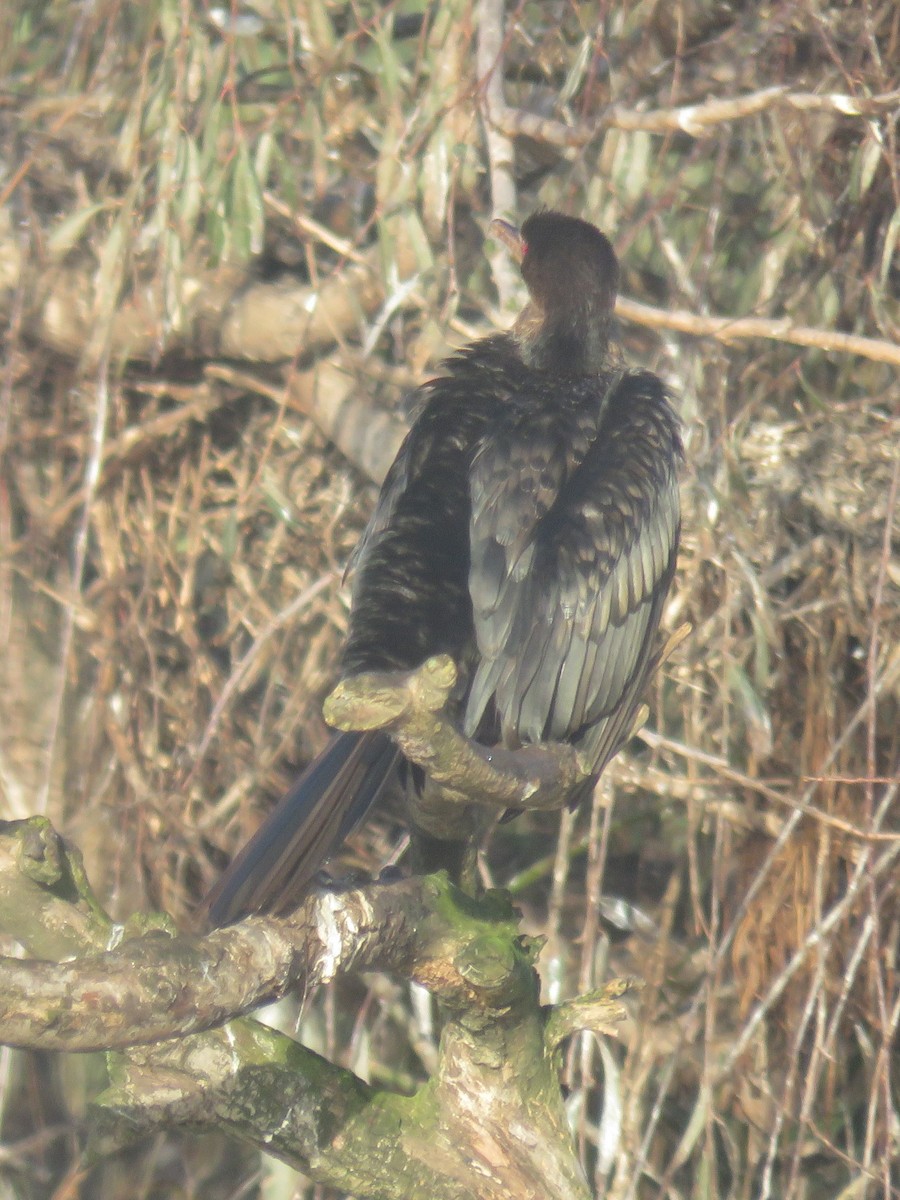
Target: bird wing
x,y
410,572
449,415
575,522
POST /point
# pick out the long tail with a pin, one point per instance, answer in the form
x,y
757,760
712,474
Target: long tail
x,y
334,793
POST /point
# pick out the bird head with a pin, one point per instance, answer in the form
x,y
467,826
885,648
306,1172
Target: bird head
x,y
572,274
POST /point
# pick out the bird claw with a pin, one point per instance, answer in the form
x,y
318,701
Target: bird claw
x,y
433,682
409,704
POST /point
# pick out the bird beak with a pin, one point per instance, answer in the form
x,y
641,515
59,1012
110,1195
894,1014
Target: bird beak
x,y
509,236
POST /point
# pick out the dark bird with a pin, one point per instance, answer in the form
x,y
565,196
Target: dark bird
x,y
528,528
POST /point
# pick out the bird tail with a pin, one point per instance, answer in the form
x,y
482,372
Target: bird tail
x,y
334,793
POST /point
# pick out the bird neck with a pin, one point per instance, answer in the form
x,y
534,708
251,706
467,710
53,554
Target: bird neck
x,y
572,342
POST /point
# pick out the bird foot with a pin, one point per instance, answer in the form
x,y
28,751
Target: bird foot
x,y
409,706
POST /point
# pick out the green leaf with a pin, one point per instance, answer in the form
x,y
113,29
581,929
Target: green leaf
x,y
70,230
246,207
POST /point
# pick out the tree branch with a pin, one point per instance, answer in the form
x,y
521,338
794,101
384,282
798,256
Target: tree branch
x,y
490,1123
696,120
224,311
151,984
773,329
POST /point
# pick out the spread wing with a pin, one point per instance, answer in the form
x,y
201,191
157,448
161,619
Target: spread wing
x,y
574,532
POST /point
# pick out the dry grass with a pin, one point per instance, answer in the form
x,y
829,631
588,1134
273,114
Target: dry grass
x,y
174,530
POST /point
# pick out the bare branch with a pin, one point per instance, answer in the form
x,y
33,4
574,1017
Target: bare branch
x,y
696,120
777,329
500,151
225,312
368,436
151,986
599,1011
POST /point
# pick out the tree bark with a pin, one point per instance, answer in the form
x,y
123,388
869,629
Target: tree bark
x,y
489,1123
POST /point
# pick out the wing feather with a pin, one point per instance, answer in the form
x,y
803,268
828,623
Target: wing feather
x,y
574,531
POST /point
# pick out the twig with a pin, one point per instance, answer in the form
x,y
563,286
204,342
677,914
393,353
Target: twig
x,y
73,600
128,445
872,655
500,151
797,804
776,329
696,120
282,618
864,870
314,229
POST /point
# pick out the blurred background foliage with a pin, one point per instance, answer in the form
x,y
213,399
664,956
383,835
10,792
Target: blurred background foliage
x,y
203,208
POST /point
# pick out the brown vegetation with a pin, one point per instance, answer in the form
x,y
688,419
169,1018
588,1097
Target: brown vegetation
x,y
209,232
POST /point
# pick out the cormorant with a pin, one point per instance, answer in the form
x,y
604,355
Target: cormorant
x,y
528,528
